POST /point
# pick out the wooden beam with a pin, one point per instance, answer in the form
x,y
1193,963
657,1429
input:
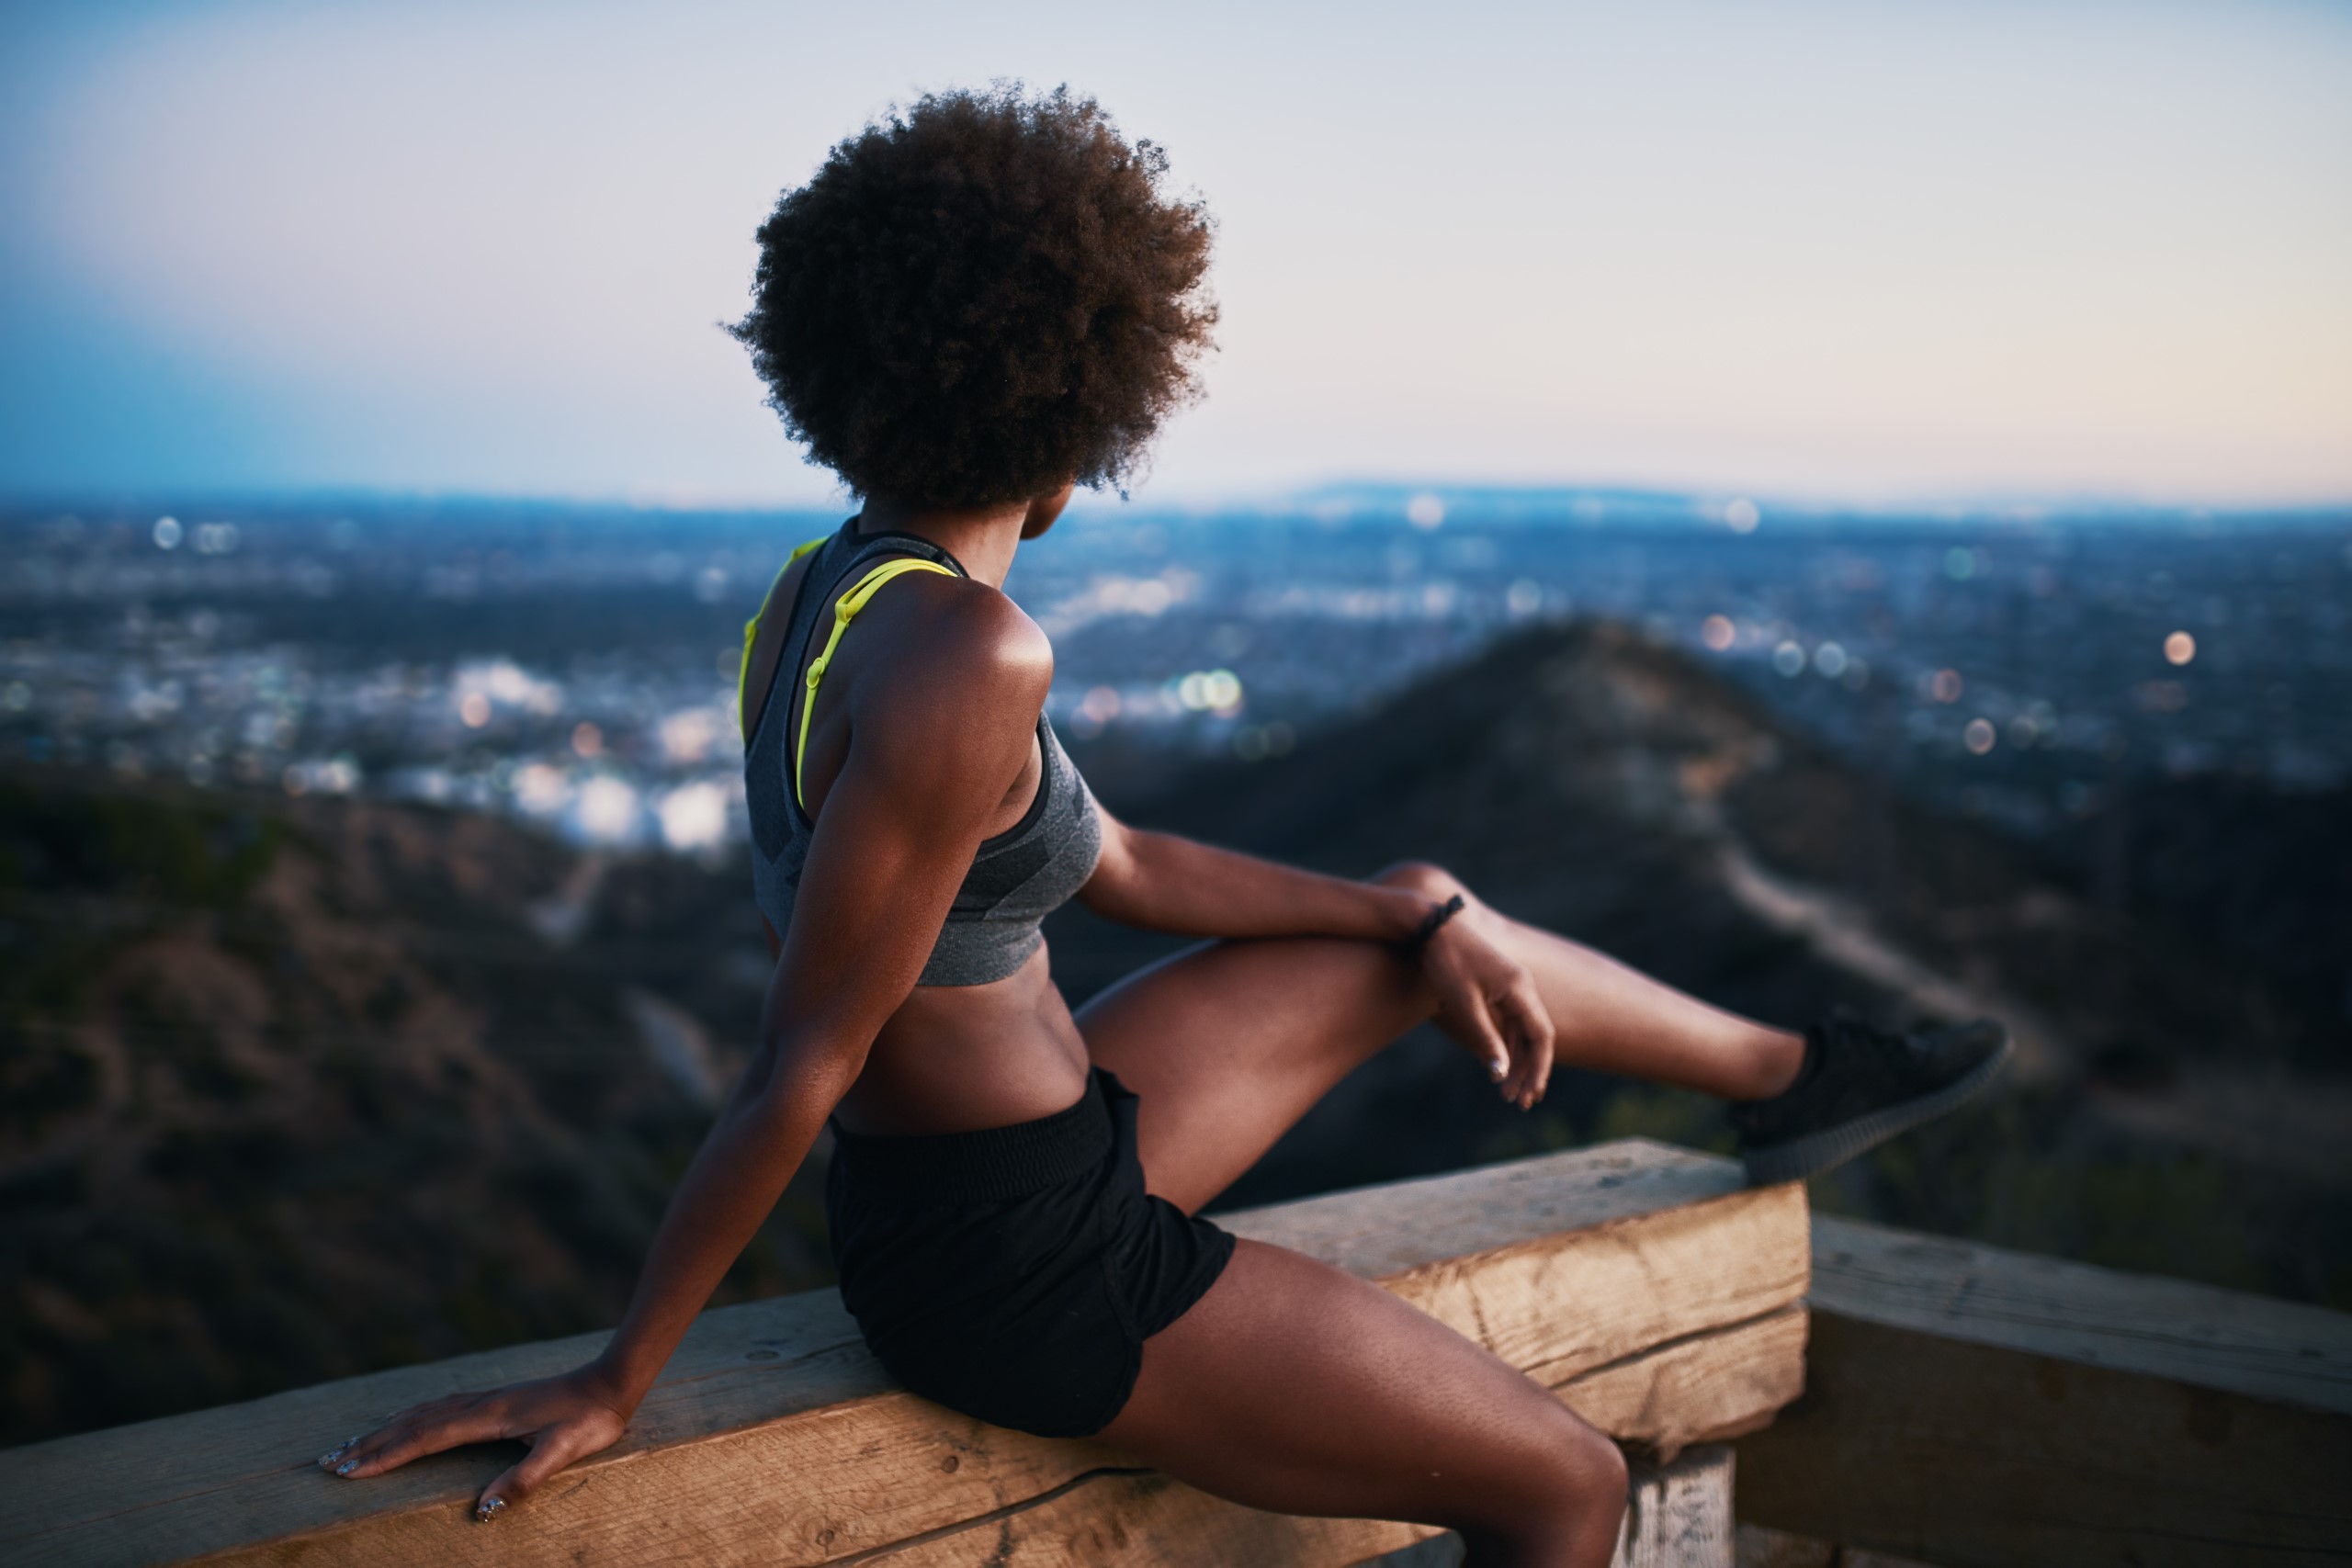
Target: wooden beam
x,y
1967,1406
1704,1389
773,1436
1677,1516
1728,1379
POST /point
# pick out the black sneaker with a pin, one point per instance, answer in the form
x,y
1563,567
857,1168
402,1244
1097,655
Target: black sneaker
x,y
1860,1086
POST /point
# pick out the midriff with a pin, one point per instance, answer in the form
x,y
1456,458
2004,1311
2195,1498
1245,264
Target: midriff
x,y
960,1058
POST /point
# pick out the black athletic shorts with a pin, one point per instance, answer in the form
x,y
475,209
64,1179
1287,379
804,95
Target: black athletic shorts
x,y
1013,1274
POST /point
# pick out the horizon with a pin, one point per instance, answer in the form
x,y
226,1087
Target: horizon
x,y
1362,499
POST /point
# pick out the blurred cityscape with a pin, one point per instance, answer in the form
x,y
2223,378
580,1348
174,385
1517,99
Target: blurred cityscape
x,y
374,939
574,667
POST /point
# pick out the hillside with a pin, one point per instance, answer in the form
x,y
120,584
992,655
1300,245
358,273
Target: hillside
x,y
290,1089
2176,1106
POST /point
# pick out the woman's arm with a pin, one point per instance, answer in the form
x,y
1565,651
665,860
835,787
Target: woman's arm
x,y
1162,883
1484,998
898,830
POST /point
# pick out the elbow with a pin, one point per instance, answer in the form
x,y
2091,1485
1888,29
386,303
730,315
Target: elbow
x,y
796,1066
1110,895
1114,891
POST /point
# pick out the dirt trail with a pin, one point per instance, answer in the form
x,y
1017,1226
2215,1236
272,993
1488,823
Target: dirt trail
x,y
1846,937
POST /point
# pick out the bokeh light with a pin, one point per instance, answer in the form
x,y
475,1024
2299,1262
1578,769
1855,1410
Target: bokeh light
x,y
694,816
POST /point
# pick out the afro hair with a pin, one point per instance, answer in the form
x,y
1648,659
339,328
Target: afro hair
x,y
981,298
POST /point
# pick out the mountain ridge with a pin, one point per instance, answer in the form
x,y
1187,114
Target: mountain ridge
x,y
294,1088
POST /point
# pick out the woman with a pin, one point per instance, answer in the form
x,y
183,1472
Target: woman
x,y
969,309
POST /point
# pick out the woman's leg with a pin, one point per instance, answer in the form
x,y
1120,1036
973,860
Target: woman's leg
x,y
1293,1387
1229,1044
1296,1387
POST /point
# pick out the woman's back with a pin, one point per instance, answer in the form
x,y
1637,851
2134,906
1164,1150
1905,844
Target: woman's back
x,y
984,1013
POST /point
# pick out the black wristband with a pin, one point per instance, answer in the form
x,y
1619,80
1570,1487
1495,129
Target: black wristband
x,y
1432,921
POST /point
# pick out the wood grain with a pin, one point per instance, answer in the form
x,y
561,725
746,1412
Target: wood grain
x,y
1677,1516
1702,1390
1966,1405
773,1436
2280,1351
1680,1515
1730,1378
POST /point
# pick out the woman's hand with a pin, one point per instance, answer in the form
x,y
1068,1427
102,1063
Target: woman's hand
x,y
562,1418
1486,1002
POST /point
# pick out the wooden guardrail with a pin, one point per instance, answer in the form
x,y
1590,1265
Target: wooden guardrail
x,y
1967,1406
1659,1297
1678,1514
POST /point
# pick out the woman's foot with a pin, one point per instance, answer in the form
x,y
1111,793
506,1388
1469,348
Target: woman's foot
x,y
1860,1086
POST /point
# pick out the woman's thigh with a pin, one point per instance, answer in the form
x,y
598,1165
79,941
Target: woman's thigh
x,y
1227,1044
1294,1387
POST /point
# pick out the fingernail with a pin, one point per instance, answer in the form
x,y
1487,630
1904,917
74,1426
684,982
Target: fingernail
x,y
487,1509
346,1467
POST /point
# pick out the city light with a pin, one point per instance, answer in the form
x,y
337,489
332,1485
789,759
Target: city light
x,y
181,674
689,737
1211,691
606,811
540,790
694,816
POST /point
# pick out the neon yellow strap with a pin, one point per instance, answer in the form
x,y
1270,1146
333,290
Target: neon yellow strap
x,y
752,628
844,611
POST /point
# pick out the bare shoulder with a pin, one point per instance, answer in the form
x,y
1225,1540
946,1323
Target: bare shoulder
x,y
967,637
946,698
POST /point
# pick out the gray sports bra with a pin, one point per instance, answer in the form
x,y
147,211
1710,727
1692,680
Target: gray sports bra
x,y
1018,877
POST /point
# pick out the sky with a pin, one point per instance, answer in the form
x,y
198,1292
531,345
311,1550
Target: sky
x,y
1896,249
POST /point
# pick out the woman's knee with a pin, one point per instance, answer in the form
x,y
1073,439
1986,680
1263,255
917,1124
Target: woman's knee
x,y
1602,1463
1590,1473
1569,1502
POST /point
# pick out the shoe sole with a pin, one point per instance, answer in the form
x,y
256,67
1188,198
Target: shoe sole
x,y
1817,1152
